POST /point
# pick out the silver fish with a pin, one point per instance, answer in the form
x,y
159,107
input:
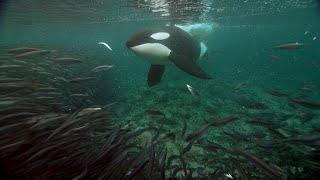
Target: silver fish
x,y
23,50
34,53
11,66
105,44
239,86
67,60
192,91
88,110
274,58
289,46
78,95
102,68
82,79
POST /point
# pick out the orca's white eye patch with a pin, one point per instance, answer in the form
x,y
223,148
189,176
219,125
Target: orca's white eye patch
x,y
160,36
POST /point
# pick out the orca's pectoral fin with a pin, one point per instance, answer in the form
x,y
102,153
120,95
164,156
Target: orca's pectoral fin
x,y
155,74
188,65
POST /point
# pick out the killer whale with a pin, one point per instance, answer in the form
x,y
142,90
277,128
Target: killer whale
x,y
168,45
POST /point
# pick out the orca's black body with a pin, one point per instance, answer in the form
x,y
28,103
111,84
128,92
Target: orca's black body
x,y
165,45
3,4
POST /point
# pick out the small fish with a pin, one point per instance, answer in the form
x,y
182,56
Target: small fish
x,y
61,79
152,158
45,98
34,53
68,122
3,148
289,46
82,79
55,104
7,103
196,134
277,93
154,112
192,91
102,68
46,73
171,136
78,95
17,116
83,174
47,89
239,86
186,149
41,93
125,127
308,90
252,104
39,69
16,86
76,129
23,50
89,110
313,140
139,168
12,66
163,165
243,174
276,133
19,62
109,105
228,175
274,58
8,79
261,164
184,129
209,145
237,136
263,123
307,84
67,60
105,44
307,104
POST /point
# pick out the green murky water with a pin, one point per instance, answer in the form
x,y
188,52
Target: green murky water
x,y
274,92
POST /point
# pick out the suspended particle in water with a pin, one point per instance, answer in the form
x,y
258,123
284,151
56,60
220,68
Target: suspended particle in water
x,y
314,38
306,32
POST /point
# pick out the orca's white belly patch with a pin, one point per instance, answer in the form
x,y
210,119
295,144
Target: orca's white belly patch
x,y
155,53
